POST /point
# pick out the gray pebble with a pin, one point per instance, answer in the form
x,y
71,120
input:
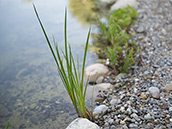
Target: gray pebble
x,y
133,125
155,92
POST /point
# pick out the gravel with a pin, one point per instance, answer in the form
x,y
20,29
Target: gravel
x,y
137,107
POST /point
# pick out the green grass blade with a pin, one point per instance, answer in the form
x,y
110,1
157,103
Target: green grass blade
x,y
75,70
85,53
65,34
8,124
79,75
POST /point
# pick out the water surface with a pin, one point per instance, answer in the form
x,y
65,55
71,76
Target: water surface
x,y
31,93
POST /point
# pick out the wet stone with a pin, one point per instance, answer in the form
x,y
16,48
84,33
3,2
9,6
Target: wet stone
x,y
32,106
4,112
34,119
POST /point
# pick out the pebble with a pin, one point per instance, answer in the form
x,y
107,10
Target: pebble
x,y
32,106
171,120
148,117
142,96
155,66
140,29
99,99
128,111
155,92
111,121
133,125
122,109
167,88
170,109
135,116
122,122
101,109
115,101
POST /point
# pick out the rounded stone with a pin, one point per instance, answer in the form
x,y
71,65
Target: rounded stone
x,y
155,92
133,125
148,117
101,109
82,123
94,71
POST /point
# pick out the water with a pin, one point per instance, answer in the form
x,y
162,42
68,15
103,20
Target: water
x,y
31,93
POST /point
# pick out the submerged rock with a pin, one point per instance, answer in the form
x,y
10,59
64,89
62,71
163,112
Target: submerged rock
x,y
124,3
4,112
82,123
94,71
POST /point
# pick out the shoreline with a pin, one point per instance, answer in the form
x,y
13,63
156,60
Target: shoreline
x,y
137,106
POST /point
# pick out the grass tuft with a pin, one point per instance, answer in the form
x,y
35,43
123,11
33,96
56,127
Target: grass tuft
x,y
71,76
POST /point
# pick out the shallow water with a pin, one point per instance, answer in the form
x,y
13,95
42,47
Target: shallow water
x,y
31,93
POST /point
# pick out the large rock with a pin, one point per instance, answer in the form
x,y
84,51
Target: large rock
x,y
124,3
82,123
94,71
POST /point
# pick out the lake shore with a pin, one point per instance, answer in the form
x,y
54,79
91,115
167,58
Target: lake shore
x,y
143,97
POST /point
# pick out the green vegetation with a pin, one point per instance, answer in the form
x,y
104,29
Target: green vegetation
x,y
123,17
71,77
121,52
7,126
121,58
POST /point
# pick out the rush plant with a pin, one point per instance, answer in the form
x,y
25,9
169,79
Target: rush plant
x,y
70,74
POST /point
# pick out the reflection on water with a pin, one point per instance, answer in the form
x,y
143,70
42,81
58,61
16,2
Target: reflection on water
x,y
31,93
83,10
